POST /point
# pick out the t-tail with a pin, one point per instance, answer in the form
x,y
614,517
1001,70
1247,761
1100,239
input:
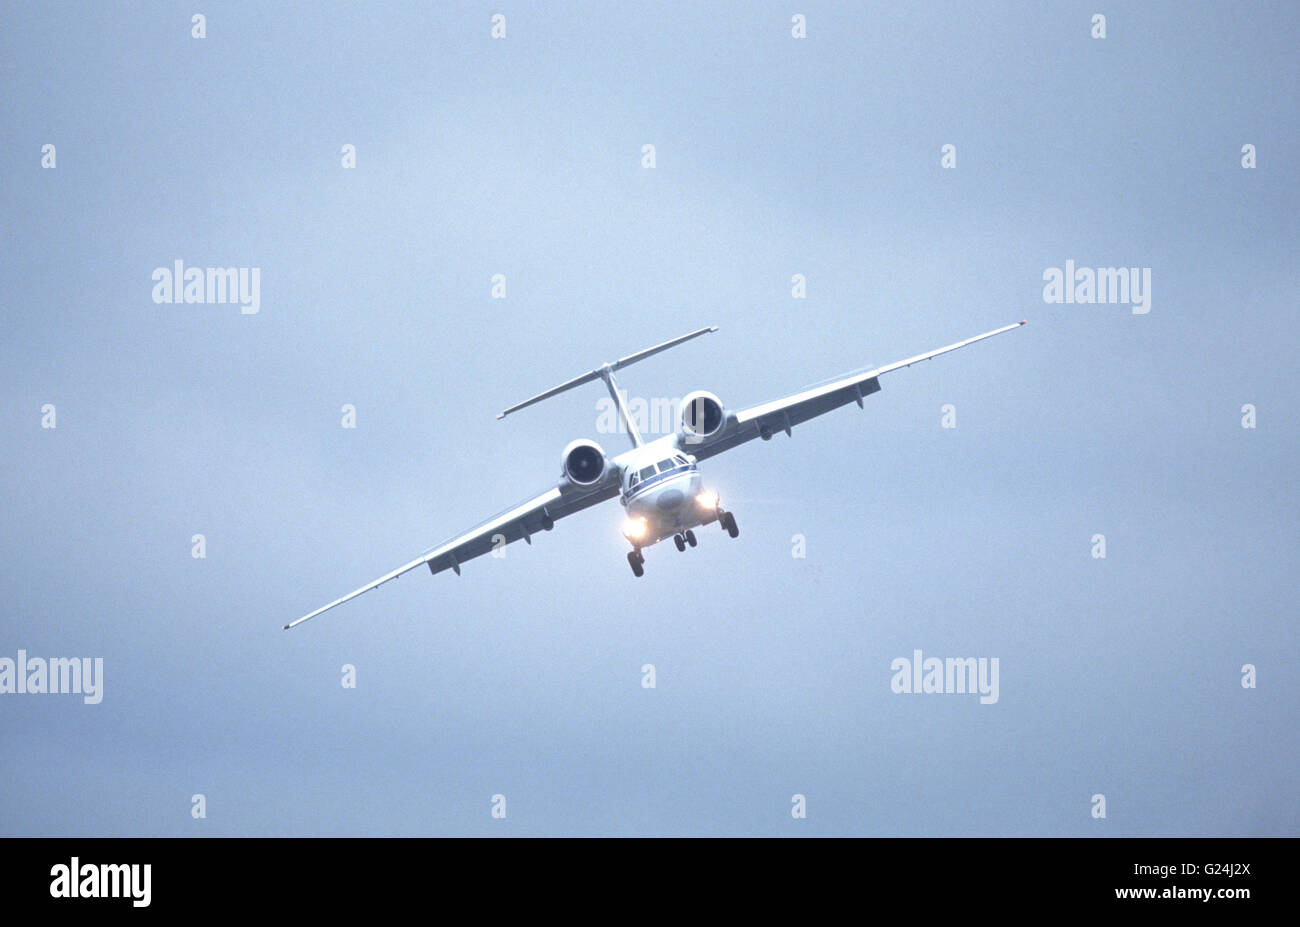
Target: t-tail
x,y
606,372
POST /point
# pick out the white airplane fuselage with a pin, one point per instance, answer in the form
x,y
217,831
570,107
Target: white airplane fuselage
x,y
663,492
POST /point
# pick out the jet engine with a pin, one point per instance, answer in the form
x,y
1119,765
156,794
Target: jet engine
x,y
702,415
583,462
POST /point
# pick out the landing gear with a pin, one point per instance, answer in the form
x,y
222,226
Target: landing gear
x,y
690,537
679,541
636,560
728,522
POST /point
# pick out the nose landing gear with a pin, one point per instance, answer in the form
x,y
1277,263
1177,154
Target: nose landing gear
x,y
728,522
636,560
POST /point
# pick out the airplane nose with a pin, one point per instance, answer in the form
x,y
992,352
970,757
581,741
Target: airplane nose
x,y
670,499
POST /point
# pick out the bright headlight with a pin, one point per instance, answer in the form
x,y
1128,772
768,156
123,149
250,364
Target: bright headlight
x,y
634,527
707,500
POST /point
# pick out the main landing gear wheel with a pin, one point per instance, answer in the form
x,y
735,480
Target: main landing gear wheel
x,y
690,537
679,541
729,524
636,561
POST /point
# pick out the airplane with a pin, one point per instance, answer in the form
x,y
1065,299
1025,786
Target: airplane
x,y
658,482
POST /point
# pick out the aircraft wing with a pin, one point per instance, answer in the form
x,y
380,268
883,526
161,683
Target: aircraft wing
x,y
520,521
763,421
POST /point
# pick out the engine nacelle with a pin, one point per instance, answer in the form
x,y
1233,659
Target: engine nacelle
x,y
702,415
583,462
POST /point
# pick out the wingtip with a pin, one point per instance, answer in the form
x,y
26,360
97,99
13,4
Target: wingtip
x,y
1024,321
286,627
500,415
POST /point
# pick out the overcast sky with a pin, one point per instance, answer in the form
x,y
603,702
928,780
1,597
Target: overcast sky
x,y
774,156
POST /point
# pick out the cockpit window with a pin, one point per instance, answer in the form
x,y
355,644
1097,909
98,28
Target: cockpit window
x,y
664,466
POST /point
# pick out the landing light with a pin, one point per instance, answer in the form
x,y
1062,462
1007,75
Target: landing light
x,y
707,500
634,527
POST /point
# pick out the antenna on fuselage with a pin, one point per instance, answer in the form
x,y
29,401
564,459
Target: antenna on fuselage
x,y
606,372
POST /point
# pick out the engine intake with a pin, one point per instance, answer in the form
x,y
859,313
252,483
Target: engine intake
x,y
702,415
583,462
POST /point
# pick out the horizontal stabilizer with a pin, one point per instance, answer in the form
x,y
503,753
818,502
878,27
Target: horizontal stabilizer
x,y
600,372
